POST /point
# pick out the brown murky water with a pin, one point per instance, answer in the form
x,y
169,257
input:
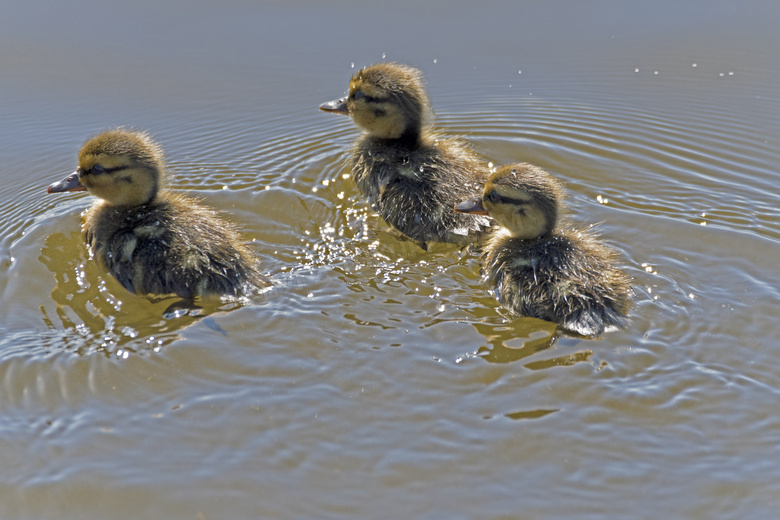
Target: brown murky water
x,y
378,380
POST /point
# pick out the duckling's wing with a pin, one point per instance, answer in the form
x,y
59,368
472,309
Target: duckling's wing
x,y
124,276
115,252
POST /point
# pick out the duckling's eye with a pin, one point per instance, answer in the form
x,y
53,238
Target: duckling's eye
x,y
97,170
493,197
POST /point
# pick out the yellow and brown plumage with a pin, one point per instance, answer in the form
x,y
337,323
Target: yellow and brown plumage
x,y
541,269
155,241
411,176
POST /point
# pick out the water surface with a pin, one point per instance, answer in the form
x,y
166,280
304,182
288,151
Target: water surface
x,y
378,380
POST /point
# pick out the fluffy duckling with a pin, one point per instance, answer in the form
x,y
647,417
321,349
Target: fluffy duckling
x,y
154,241
412,177
540,270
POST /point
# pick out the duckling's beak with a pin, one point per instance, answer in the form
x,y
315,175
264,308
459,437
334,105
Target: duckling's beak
x,y
69,183
471,206
338,106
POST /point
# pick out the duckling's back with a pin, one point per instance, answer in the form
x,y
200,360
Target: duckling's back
x,y
568,278
172,245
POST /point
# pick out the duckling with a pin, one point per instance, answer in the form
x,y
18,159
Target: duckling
x,y
410,175
541,270
155,241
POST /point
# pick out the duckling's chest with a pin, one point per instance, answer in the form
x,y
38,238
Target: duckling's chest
x,y
375,171
115,234
539,261
415,190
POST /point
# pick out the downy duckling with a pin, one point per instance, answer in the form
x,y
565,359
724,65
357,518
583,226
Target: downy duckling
x,y
541,270
155,241
411,176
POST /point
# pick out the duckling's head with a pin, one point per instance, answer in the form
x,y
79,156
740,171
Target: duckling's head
x,y
120,166
522,198
388,100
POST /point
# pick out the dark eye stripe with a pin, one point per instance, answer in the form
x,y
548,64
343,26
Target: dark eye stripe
x,y
510,200
99,170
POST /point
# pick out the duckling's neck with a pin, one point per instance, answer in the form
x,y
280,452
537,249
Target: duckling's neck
x,y
411,139
155,200
503,238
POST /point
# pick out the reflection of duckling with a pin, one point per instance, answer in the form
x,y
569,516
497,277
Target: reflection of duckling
x,y
155,241
540,270
413,178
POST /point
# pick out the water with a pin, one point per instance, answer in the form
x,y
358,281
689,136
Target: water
x,y
378,380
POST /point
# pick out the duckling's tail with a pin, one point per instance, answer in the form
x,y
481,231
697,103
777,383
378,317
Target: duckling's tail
x,y
594,321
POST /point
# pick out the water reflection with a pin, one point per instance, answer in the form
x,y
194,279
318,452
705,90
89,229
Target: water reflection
x,y
522,337
517,340
567,360
532,414
98,315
